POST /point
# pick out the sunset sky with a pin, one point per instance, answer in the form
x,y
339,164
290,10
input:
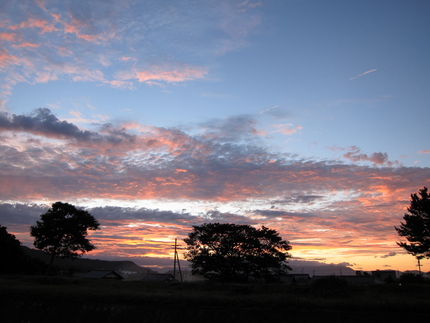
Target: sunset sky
x,y
308,117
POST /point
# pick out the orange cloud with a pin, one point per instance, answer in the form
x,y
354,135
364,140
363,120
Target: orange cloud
x,y
26,44
327,208
44,25
181,74
7,36
77,28
6,59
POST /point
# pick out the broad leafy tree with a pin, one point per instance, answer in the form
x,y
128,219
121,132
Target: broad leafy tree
x,y
235,253
416,226
12,256
62,231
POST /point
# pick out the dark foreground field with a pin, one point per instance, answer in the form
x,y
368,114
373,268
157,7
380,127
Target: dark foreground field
x,y
56,299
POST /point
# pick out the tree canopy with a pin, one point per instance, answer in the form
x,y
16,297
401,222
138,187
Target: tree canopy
x,y
235,253
12,256
416,226
63,230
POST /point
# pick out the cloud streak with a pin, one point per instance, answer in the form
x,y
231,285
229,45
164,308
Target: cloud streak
x,y
367,72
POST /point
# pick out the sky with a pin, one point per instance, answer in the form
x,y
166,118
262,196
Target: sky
x,y
308,117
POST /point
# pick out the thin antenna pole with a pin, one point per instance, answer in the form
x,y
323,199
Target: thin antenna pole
x,y
174,262
179,266
176,259
419,263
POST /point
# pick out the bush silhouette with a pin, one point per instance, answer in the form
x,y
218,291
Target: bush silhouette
x,y
330,286
411,278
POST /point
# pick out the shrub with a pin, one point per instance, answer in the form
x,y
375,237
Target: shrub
x,y
411,278
330,286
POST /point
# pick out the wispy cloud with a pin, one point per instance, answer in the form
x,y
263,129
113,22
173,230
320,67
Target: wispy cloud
x,y
354,154
180,74
367,72
268,109
390,254
43,43
287,129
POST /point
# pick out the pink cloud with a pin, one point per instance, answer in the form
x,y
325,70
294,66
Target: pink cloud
x,y
121,84
26,44
379,158
7,59
323,206
90,38
424,151
78,28
287,129
354,154
233,177
8,36
42,24
46,77
178,74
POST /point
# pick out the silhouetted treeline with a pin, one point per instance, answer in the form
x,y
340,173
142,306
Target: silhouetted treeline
x,y
13,259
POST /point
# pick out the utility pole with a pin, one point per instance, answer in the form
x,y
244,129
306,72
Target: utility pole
x,y
419,263
176,260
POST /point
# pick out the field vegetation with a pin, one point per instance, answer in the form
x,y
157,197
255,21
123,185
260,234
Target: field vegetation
x,y
387,297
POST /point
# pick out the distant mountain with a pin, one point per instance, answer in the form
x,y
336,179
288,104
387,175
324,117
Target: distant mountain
x,y
316,268
85,265
128,267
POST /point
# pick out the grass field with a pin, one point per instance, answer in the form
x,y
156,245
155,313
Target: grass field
x,y
39,299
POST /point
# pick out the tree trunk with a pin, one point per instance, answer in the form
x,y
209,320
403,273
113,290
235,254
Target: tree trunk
x,y
48,270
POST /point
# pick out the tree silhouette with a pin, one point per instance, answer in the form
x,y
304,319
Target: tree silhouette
x,y
13,259
234,253
416,228
62,232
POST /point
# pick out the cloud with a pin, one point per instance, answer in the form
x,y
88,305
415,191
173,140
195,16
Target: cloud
x,y
43,122
391,254
287,128
231,129
26,44
268,109
226,161
424,151
282,214
276,112
367,72
41,25
354,154
78,41
221,173
7,36
309,199
181,74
